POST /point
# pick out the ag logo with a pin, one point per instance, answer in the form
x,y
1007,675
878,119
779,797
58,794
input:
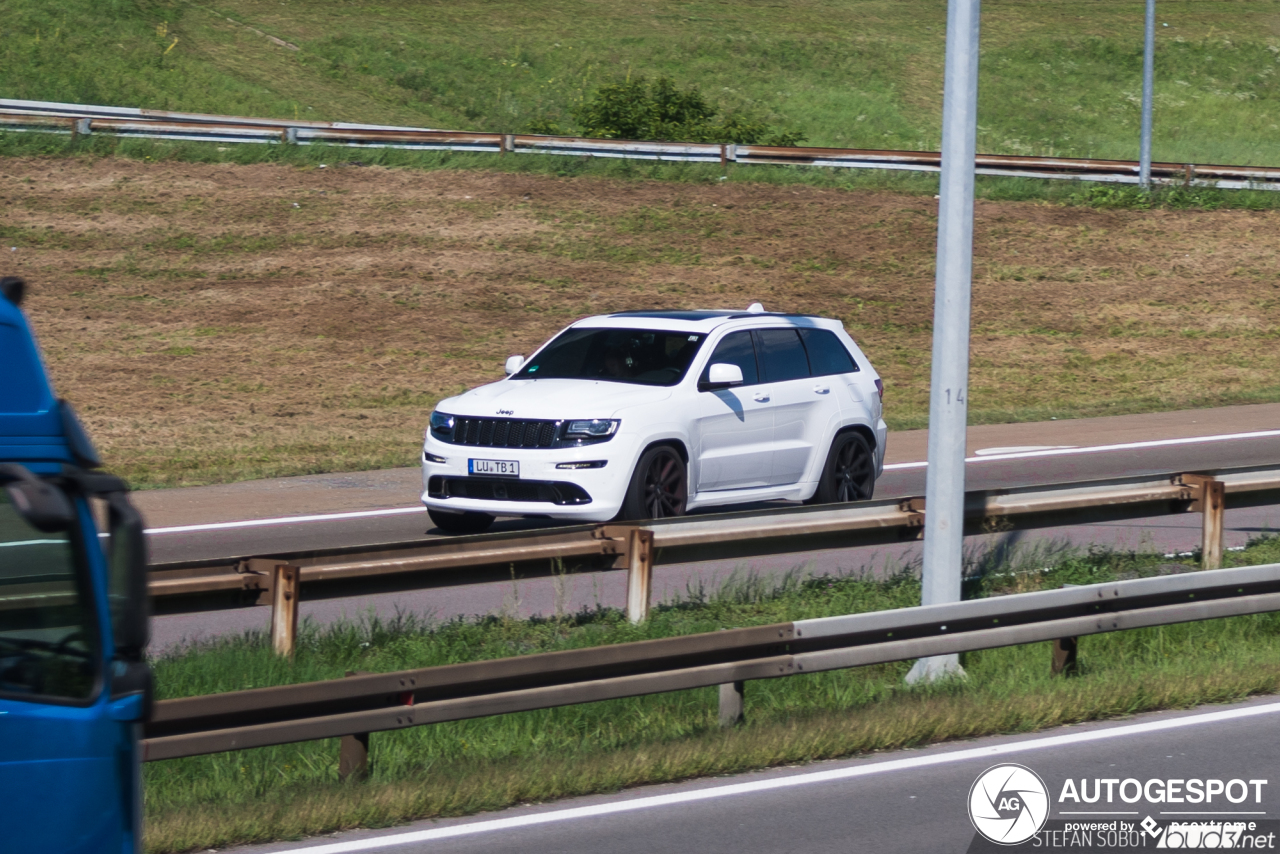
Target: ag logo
x,y
1008,804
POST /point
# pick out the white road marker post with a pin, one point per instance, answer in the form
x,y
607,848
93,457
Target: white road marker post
x,y
949,383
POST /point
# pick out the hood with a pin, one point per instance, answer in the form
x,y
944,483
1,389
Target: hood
x,y
552,399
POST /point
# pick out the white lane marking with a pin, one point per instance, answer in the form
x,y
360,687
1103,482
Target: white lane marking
x,y
989,456
285,520
33,543
1020,449
1097,449
911,763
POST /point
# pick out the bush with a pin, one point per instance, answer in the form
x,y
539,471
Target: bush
x,y
634,108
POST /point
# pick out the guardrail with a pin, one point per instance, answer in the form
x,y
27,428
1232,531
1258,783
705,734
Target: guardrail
x,y
280,580
353,708
78,119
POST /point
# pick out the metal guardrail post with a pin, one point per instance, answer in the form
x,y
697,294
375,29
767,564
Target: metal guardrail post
x,y
1064,657
731,704
1211,501
83,127
639,573
284,609
353,751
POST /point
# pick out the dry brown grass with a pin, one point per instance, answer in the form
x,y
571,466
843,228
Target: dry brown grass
x,y
216,322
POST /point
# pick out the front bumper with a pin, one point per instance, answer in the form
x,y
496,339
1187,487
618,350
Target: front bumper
x,y
582,494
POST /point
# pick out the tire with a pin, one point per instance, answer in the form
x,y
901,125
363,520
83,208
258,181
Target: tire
x,y
849,473
467,522
659,486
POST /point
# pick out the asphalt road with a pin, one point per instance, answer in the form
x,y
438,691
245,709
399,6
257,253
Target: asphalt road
x,y
293,514
906,801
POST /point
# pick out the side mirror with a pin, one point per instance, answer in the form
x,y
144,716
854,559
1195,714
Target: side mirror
x,y
514,363
127,593
41,504
721,376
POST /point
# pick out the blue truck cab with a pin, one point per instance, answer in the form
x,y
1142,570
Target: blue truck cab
x,y
75,687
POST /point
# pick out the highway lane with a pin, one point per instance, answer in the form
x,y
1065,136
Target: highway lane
x,y
904,801
397,491
342,509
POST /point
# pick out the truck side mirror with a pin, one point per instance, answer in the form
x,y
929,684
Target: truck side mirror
x,y
42,505
127,592
721,375
513,364
12,288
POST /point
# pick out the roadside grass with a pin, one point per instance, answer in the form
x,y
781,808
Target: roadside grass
x,y
1055,79
468,766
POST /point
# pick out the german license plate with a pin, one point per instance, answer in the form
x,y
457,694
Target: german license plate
x,y
500,468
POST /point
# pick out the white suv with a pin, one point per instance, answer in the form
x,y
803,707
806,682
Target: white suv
x,y
649,414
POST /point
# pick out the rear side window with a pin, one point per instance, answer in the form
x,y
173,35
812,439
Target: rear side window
x,y
827,354
781,355
735,349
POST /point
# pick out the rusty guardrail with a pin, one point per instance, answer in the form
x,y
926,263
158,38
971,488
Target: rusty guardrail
x,y
244,580
79,119
354,707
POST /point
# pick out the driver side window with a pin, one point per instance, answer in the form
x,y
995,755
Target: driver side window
x,y
49,645
735,348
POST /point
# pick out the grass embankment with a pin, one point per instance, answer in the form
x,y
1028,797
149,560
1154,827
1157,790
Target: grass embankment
x,y
1056,79
468,766
215,322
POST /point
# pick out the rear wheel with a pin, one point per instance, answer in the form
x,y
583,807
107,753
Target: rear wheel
x,y
849,473
466,522
659,487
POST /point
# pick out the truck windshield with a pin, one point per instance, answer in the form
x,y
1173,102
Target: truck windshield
x,y
49,646
640,356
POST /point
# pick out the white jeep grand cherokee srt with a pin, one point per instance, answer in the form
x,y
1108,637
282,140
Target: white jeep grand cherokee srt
x,y
649,414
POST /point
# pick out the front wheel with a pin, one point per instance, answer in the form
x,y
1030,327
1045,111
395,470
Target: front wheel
x,y
659,487
849,473
467,522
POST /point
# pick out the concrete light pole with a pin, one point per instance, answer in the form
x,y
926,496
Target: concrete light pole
x,y
949,383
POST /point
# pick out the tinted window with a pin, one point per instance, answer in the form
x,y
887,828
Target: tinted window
x,y
642,356
781,355
735,349
827,355
48,635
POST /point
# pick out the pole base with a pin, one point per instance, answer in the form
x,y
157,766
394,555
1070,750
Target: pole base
x,y
935,668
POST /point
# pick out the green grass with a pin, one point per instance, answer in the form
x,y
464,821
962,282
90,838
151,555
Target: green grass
x,y
467,766
1055,79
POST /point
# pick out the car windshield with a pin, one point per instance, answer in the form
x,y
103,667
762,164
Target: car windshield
x,y
640,356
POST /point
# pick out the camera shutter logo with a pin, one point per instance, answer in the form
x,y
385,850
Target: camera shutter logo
x,y
1008,804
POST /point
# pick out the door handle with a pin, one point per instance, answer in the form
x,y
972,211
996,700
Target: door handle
x,y
821,389
760,396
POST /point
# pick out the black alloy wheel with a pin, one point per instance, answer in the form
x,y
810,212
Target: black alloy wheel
x,y
849,473
659,488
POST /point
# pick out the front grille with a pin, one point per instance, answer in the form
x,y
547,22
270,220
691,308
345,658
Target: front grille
x,y
501,433
507,489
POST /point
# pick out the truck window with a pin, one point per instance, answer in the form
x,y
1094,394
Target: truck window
x,y
49,643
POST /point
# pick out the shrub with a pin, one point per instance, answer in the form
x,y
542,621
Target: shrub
x,y
635,108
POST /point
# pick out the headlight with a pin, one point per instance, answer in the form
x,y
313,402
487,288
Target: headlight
x,y
596,428
441,423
